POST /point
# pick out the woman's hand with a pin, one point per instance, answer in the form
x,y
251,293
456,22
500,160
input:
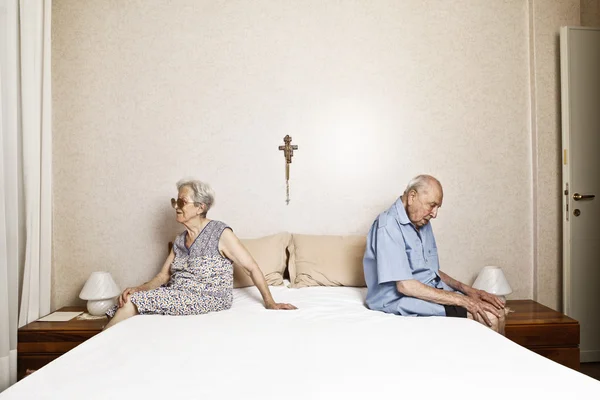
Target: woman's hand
x,y
124,297
280,306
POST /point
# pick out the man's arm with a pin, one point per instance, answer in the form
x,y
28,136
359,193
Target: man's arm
x,y
478,308
414,288
454,284
471,292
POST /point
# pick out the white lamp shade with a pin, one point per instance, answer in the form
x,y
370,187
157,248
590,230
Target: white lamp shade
x,y
492,280
99,286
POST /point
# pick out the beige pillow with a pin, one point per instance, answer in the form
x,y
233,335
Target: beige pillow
x,y
327,260
269,252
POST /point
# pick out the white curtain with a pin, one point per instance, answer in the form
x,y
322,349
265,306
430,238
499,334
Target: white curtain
x,y
37,156
25,172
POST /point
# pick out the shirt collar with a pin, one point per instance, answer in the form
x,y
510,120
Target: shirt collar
x,y
401,212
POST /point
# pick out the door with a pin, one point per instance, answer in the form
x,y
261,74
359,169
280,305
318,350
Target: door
x,y
580,84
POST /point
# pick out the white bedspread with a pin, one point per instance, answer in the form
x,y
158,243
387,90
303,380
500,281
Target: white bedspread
x,y
331,348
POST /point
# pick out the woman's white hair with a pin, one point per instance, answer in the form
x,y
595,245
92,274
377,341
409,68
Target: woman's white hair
x,y
420,182
203,193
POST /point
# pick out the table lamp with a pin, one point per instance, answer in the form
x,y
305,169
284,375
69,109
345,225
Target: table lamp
x,y
100,290
492,280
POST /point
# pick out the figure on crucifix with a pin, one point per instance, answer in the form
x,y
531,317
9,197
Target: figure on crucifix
x,y
288,152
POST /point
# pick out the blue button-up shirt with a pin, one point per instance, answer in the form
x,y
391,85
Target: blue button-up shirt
x,y
397,251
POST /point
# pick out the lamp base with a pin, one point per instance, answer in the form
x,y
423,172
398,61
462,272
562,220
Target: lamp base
x,y
99,307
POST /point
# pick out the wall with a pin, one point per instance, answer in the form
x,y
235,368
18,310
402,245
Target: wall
x,y
373,93
590,13
546,17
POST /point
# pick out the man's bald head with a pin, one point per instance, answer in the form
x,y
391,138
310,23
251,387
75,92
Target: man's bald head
x,y
423,183
422,199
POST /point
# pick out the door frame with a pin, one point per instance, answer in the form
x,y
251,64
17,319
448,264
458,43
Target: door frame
x,y
566,191
566,177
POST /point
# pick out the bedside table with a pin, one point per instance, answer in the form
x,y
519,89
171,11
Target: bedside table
x,y
41,342
544,331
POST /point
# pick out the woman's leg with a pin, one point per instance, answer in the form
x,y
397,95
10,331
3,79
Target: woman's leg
x,y
128,310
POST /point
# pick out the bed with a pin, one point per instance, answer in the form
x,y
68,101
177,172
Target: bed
x,y
332,347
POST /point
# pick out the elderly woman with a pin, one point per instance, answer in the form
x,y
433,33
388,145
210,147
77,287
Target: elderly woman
x,y
197,276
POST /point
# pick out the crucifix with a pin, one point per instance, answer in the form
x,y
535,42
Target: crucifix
x,y
288,152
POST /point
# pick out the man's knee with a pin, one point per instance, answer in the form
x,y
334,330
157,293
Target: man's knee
x,y
495,321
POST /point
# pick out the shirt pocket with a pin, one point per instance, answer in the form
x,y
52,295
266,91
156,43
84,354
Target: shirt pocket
x,y
415,259
432,251
431,255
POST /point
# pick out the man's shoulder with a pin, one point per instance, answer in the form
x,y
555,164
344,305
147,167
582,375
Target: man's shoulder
x,y
387,218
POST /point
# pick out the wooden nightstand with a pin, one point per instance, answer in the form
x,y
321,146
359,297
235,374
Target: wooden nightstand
x,y
544,331
41,342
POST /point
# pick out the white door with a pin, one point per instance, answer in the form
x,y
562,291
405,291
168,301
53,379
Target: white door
x,y
580,84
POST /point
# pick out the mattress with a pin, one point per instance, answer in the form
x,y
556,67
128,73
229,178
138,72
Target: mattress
x,y
332,347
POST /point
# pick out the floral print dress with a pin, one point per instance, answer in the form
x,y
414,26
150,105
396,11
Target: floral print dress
x,y
201,279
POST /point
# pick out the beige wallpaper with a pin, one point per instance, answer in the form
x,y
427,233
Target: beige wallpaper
x,y
546,18
590,13
373,93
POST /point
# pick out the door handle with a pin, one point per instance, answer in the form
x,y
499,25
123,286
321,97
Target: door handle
x,y
577,196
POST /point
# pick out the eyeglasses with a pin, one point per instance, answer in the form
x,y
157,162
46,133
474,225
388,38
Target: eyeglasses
x,y
179,203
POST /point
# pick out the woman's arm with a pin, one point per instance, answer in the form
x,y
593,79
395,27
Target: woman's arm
x,y
233,249
160,279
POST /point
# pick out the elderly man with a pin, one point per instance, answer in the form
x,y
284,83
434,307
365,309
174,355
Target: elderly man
x,y
402,269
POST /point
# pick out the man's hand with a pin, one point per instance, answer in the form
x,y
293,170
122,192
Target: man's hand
x,y
280,306
475,294
478,309
124,297
482,295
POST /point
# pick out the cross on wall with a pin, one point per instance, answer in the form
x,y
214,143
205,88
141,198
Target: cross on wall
x,y
288,152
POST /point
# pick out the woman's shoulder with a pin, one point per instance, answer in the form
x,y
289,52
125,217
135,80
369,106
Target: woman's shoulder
x,y
179,242
180,238
219,225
